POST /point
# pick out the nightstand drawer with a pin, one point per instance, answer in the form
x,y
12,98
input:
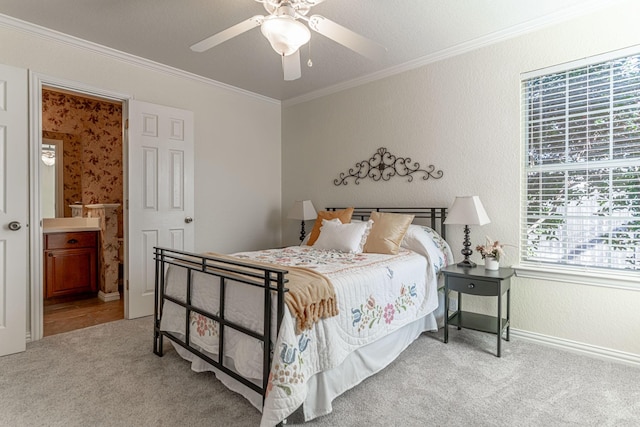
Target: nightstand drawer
x,y
473,286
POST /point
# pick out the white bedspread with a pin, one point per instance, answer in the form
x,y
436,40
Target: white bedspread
x,y
377,294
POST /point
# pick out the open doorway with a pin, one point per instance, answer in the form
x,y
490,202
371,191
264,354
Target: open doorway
x,y
158,187
82,216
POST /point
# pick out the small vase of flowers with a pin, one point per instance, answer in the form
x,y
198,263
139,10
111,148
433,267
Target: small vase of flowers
x,y
491,253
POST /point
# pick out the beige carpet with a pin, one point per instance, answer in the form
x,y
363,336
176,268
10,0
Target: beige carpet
x,y
107,375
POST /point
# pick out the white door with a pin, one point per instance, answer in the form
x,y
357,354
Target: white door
x,y
160,194
14,193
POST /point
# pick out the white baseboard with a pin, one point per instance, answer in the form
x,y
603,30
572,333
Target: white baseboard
x,y
578,347
111,296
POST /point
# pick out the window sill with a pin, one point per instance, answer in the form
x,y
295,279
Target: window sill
x,y
616,280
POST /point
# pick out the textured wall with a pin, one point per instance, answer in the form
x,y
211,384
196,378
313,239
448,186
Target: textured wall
x,y
463,115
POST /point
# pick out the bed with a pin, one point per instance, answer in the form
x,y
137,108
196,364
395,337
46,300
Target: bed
x,y
241,316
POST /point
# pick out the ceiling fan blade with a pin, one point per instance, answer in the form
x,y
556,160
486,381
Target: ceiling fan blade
x,y
346,37
227,34
291,66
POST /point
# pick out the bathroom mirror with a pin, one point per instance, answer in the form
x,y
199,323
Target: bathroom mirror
x,y
52,178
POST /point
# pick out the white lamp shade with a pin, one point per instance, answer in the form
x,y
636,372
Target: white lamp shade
x,y
302,210
285,34
467,210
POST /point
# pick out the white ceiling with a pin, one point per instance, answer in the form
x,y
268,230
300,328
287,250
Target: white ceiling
x,y
413,31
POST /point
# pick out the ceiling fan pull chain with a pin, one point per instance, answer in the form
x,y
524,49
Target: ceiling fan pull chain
x,y
309,62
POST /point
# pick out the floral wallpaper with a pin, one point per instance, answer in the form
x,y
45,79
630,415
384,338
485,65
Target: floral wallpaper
x,y
92,133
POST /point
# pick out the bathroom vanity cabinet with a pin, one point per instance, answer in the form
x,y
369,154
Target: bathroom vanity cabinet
x,y
70,263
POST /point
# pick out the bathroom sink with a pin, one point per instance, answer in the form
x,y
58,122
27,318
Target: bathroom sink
x,y
59,225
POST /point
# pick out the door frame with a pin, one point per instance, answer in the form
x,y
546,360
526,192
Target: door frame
x,y
36,83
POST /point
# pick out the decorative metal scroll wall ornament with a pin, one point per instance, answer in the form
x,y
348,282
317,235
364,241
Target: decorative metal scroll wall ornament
x,y
383,166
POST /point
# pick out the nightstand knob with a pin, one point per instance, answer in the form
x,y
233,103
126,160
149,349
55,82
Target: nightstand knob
x,y
471,286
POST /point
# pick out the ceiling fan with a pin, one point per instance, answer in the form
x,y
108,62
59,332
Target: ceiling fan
x,y
285,32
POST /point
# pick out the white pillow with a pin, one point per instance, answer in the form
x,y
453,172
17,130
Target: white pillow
x,y
343,237
308,236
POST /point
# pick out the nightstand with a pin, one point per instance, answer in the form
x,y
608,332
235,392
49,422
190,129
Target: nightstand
x,y
477,281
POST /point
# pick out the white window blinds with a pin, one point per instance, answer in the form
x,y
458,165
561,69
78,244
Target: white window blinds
x,y
581,204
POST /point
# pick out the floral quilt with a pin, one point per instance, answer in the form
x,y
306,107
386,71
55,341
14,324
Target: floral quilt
x,y
376,295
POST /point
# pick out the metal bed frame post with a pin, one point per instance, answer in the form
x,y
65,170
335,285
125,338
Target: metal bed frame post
x,y
187,310
157,306
443,216
281,291
221,309
266,332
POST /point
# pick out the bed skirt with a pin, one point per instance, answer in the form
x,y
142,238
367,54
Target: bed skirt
x,y
324,387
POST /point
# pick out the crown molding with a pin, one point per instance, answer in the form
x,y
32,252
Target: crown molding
x,y
575,11
480,42
56,36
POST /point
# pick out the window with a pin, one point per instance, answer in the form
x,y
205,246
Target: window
x,y
581,206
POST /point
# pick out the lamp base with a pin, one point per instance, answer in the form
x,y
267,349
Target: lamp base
x,y
302,232
466,263
466,251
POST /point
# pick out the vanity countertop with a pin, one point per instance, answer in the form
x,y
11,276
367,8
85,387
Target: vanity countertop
x,y
66,225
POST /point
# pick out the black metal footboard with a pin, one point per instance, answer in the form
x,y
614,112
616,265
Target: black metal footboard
x,y
270,280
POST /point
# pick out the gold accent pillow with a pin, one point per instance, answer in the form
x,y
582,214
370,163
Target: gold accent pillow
x,y
344,216
387,232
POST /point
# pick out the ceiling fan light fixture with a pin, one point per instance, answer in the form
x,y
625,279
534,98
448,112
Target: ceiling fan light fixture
x,y
285,34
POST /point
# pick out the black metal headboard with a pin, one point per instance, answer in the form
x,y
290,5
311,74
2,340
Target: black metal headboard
x,y
432,217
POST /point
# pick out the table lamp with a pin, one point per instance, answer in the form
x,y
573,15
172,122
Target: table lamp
x,y
467,210
302,210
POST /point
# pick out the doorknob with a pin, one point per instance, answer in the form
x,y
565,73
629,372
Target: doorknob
x,y
15,226
188,220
